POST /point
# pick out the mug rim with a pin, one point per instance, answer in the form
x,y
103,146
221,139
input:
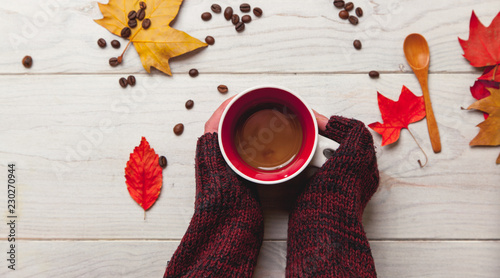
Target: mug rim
x,y
240,173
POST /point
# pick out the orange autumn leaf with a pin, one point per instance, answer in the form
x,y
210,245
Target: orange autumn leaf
x,y
489,133
144,175
157,44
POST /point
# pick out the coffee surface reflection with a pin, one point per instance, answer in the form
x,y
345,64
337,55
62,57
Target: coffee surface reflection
x,y
268,137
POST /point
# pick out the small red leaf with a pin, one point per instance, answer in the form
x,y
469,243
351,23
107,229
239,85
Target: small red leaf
x,y
398,114
144,175
491,73
479,91
480,88
483,46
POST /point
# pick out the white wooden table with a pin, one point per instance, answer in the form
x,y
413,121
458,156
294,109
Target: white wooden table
x,y
69,128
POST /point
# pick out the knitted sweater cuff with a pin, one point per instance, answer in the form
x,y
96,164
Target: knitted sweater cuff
x,y
355,158
216,184
338,127
208,152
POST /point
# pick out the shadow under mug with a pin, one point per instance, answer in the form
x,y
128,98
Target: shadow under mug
x,y
312,148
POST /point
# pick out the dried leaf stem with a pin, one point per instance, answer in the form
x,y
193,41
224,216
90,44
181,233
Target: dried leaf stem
x,y
120,58
426,159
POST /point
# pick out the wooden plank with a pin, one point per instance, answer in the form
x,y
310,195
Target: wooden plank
x,y
70,137
149,258
436,258
69,128
61,36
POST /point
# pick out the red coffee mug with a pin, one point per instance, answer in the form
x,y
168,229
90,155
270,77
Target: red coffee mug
x,y
312,146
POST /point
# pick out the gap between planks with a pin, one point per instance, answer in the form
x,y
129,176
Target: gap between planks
x,y
235,73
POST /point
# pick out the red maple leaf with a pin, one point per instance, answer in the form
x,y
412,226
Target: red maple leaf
x,y
483,46
144,175
398,114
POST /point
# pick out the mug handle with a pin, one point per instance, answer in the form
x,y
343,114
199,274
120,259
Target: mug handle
x,y
324,150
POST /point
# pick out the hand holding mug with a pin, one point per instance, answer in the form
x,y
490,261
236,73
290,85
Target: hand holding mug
x,y
269,135
212,125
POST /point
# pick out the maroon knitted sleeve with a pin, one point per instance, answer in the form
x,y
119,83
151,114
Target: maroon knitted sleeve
x,y
225,233
325,234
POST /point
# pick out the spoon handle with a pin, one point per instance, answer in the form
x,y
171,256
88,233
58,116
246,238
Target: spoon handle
x,y
431,120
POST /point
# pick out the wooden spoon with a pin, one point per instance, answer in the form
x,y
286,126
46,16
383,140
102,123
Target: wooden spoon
x,y
417,55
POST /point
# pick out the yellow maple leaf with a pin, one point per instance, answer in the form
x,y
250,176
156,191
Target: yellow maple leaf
x,y
489,133
157,44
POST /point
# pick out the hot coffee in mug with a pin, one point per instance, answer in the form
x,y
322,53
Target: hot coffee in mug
x,y
269,135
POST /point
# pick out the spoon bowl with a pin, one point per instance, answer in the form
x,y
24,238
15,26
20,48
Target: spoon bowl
x,y
417,51
417,54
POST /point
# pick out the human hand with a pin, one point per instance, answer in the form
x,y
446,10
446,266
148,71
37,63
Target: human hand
x,y
321,119
212,125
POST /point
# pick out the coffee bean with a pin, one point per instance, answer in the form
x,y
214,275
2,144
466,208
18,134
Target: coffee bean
x,y
141,14
245,7
357,44
228,13
178,129
257,12
193,72
349,6
359,12
113,61
27,62
115,44
146,23
222,89
240,27
101,43
162,161
142,5
374,74
339,3
246,18
235,19
131,80
210,40
126,32
189,104
123,82
132,15
132,23
216,8
344,14
353,20
206,16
